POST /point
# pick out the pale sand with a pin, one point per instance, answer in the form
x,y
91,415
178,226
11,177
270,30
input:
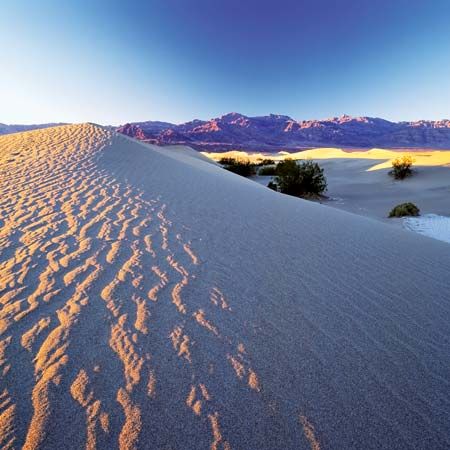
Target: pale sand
x,y
352,186
432,225
152,300
359,182
431,158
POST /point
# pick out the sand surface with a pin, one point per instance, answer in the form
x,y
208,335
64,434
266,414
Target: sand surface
x,y
359,182
352,186
431,158
432,225
150,299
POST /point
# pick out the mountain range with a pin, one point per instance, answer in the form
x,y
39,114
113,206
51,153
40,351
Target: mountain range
x,y
279,132
275,132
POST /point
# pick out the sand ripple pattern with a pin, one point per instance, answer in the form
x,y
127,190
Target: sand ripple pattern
x,y
102,345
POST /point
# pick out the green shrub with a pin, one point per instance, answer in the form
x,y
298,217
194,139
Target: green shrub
x,y
267,170
266,162
401,167
404,209
304,179
226,161
240,167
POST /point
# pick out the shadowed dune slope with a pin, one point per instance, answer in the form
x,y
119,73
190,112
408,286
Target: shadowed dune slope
x,y
150,299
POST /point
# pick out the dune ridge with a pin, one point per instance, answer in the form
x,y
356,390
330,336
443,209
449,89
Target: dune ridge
x,y
430,158
151,299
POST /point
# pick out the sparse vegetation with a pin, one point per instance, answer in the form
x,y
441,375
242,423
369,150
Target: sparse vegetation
x,y
401,167
405,209
267,171
302,180
241,167
226,161
266,162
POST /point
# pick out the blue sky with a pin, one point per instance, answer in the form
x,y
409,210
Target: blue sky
x,y
113,62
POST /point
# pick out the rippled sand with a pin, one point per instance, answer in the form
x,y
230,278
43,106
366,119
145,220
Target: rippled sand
x,y
150,299
432,225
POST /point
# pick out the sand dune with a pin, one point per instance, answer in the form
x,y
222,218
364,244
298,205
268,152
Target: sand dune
x,y
432,225
359,182
355,188
150,299
431,158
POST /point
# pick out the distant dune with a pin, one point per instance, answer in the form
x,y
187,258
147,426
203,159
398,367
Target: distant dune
x,y
152,300
8,129
431,158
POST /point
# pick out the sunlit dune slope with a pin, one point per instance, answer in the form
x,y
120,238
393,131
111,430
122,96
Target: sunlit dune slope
x,y
421,158
150,299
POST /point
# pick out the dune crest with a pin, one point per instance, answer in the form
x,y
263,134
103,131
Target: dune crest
x,y
76,243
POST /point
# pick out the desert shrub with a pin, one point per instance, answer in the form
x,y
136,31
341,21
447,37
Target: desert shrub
x,y
272,186
264,162
226,161
240,167
405,209
267,170
301,179
401,167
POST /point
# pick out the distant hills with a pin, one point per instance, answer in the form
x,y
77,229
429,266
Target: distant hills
x,y
7,129
278,132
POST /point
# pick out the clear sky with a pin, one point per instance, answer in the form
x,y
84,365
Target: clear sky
x,y
112,62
